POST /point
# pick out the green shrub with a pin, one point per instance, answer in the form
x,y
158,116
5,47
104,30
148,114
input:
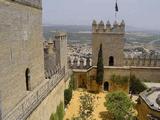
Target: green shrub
x,y
51,117
136,86
68,92
72,83
67,96
54,116
60,111
119,79
86,106
119,104
59,115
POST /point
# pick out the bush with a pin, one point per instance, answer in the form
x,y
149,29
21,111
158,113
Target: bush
x,y
54,116
60,111
72,83
119,104
68,92
67,96
121,80
59,115
136,86
86,106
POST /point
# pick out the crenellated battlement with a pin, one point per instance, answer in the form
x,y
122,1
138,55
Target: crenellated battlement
x,y
108,28
79,63
151,61
32,3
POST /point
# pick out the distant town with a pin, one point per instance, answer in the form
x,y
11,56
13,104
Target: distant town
x,y
137,41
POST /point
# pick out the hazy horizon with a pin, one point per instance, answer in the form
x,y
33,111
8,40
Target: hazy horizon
x,y
136,13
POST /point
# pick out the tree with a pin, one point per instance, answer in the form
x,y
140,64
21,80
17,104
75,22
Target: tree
x,y
100,67
136,86
119,104
67,96
68,92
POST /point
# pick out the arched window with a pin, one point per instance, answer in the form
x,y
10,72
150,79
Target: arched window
x,y
106,86
28,79
111,61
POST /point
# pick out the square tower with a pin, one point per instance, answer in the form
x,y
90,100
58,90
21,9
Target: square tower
x,y
21,46
61,49
112,40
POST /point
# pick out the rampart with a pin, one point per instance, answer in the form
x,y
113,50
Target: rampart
x,y
82,63
31,3
146,62
108,28
148,74
24,109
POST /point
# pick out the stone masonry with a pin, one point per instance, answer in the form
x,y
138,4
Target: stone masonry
x,y
21,49
61,49
112,40
146,68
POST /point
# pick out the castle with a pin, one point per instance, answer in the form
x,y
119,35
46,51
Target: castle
x,y
33,76
32,84
146,68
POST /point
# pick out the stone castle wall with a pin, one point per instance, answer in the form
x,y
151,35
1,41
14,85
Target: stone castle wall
x,y
32,3
21,48
142,62
49,104
42,101
82,63
143,73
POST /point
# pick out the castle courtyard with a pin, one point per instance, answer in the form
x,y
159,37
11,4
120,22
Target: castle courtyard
x,y
99,110
61,68
73,108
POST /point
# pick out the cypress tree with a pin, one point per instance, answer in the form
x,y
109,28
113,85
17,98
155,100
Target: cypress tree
x,y
100,67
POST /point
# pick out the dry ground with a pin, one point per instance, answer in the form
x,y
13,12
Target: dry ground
x,y
99,113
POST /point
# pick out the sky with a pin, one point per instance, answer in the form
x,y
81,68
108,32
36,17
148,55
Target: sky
x,y
136,13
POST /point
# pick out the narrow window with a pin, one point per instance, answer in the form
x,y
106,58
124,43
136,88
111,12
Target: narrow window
x,y
28,79
111,61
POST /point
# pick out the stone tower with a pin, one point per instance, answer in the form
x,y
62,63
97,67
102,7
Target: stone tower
x,y
112,39
61,49
21,56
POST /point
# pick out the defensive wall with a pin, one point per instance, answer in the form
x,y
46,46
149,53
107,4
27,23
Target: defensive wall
x,y
83,77
142,62
42,101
